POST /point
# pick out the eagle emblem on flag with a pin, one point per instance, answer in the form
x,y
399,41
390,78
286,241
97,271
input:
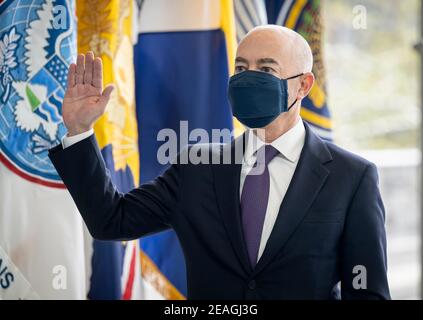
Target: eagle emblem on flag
x,y
37,44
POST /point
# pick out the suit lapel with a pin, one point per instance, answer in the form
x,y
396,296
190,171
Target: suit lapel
x,y
309,177
227,179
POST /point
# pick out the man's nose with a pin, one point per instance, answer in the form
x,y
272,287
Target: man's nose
x,y
253,68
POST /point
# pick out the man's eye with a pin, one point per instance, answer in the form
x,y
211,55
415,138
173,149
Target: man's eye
x,y
266,69
239,69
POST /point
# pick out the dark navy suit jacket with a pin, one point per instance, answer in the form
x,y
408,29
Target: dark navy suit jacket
x,y
330,221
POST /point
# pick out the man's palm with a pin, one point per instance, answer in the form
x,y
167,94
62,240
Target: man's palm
x,y
85,100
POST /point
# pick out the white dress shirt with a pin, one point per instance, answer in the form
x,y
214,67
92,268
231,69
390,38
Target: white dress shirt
x,y
281,169
68,141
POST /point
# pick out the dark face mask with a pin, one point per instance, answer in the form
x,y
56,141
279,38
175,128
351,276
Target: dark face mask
x,y
257,98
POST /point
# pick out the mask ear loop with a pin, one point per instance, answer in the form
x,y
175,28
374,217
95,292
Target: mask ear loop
x,y
289,108
293,77
298,75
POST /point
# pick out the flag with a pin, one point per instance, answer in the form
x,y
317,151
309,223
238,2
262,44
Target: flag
x,y
105,27
42,253
304,16
183,56
248,14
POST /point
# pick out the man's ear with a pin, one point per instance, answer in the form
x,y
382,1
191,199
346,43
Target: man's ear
x,y
307,81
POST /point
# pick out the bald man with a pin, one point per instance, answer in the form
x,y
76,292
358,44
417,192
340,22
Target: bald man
x,y
289,216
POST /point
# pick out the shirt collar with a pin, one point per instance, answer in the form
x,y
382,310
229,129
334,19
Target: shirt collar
x,y
289,144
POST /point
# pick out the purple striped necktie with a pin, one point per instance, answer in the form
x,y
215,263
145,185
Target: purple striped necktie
x,y
254,199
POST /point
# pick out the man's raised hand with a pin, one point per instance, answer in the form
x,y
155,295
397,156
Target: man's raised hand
x,y
85,100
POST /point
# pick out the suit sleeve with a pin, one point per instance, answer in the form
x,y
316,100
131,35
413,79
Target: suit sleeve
x,y
109,214
363,247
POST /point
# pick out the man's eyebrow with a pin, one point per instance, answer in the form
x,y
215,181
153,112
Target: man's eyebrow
x,y
267,60
241,59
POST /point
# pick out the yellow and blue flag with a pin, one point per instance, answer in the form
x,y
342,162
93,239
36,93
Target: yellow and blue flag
x,y
105,27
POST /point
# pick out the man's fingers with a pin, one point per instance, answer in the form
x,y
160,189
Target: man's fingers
x,y
105,96
98,73
88,74
71,75
107,91
80,66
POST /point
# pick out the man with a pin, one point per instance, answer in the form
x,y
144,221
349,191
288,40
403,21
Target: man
x,y
311,217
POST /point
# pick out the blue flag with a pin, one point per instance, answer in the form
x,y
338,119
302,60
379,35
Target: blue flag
x,y
304,17
181,69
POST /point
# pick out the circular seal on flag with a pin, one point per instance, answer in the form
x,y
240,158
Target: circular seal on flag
x,y
37,44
